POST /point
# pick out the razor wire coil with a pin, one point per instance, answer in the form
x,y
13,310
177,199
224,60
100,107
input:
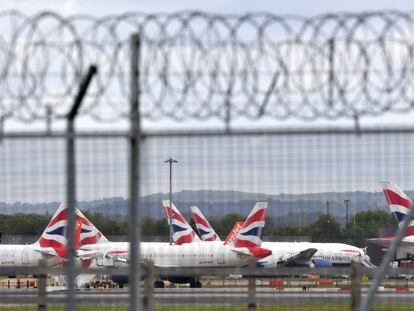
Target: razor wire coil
x,y
196,65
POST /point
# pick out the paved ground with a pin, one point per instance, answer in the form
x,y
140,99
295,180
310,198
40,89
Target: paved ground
x,y
203,296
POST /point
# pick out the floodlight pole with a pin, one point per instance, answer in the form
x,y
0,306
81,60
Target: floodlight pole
x,y
327,208
171,161
347,212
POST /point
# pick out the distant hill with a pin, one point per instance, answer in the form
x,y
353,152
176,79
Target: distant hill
x,y
284,208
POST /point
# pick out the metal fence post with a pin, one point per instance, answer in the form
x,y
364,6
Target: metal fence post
x,y
71,187
41,304
149,287
252,288
356,285
133,208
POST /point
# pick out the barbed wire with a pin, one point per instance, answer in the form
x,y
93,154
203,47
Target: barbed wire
x,y
196,65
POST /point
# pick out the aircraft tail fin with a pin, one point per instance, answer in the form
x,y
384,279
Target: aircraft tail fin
x,y
250,234
205,231
399,204
236,228
182,231
54,235
89,234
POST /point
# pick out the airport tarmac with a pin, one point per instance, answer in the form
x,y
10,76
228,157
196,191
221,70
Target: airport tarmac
x,y
204,296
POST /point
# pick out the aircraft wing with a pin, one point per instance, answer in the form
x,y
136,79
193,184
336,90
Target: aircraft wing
x,y
244,251
301,258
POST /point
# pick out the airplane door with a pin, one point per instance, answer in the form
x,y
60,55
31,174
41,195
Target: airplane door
x,y
220,257
25,256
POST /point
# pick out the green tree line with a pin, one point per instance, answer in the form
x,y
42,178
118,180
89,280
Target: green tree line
x,y
325,229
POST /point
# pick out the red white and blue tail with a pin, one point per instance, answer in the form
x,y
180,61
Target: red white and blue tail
x,y
250,235
399,204
182,231
89,234
205,231
54,236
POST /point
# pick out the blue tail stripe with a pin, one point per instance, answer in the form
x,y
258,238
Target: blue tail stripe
x,y
57,231
257,231
177,228
202,232
83,230
399,216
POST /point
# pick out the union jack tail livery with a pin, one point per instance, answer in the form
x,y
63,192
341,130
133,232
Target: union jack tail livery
x,y
205,231
182,231
88,233
399,204
54,235
250,235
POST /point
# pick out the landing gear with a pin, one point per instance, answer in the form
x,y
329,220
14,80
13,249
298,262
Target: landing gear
x,y
159,284
196,284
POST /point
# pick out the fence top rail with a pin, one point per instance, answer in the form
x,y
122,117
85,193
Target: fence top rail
x,y
209,132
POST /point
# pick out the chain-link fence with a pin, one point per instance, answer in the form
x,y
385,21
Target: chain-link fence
x,y
313,193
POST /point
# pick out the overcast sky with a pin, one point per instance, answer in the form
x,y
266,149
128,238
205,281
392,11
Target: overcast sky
x,y
34,172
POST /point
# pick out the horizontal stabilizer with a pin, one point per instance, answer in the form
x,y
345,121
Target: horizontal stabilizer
x,y
258,252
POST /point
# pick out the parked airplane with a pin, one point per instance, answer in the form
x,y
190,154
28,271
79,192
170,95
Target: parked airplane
x,y
298,253
284,256
399,204
50,247
246,245
313,254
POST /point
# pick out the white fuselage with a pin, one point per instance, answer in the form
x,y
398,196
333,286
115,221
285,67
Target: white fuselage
x,y
213,254
336,253
408,244
202,254
26,256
